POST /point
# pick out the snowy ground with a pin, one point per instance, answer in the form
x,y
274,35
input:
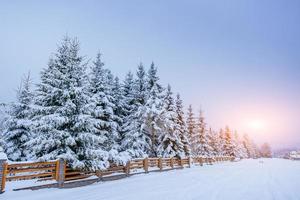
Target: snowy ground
x,y
248,179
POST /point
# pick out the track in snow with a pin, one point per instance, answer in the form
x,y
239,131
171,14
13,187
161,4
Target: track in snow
x,y
267,179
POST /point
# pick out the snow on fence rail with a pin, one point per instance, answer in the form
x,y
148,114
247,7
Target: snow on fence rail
x,y
61,173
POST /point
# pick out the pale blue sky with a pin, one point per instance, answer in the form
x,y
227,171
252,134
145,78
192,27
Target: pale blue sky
x,y
239,60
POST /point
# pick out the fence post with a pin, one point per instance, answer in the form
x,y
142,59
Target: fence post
x,y
3,171
160,164
60,172
146,165
127,168
210,161
180,162
190,161
99,175
171,163
201,161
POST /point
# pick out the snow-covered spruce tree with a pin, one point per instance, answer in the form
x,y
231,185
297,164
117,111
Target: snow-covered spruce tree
x,y
62,126
248,144
240,151
134,140
256,151
203,146
18,124
181,127
153,115
214,137
3,118
102,108
229,147
118,108
191,128
266,150
169,142
140,86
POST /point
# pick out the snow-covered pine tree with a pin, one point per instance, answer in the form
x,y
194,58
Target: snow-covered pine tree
x,y
18,124
214,142
266,150
257,153
248,144
118,101
229,147
140,86
153,115
203,146
134,140
220,142
181,127
101,107
240,151
191,128
3,117
62,128
169,142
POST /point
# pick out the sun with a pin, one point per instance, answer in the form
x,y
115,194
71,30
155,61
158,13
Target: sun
x,y
257,125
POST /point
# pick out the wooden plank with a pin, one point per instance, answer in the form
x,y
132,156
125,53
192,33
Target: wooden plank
x,y
15,171
72,173
82,176
31,164
29,176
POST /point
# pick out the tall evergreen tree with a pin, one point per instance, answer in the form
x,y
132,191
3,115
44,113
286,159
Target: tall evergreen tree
x,y
229,146
118,108
266,150
214,143
181,128
240,151
140,86
18,124
169,142
134,139
248,144
203,146
153,115
62,126
191,128
102,109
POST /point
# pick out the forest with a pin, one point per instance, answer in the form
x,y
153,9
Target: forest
x,y
81,112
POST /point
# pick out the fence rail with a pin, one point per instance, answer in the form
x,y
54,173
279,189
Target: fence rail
x,y
58,170
24,171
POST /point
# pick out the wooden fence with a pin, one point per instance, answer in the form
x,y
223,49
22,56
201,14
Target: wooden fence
x,y
59,171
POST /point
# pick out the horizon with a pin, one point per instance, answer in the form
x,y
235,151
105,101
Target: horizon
x,y
240,68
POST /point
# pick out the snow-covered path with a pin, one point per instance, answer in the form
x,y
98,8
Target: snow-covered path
x,y
248,179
